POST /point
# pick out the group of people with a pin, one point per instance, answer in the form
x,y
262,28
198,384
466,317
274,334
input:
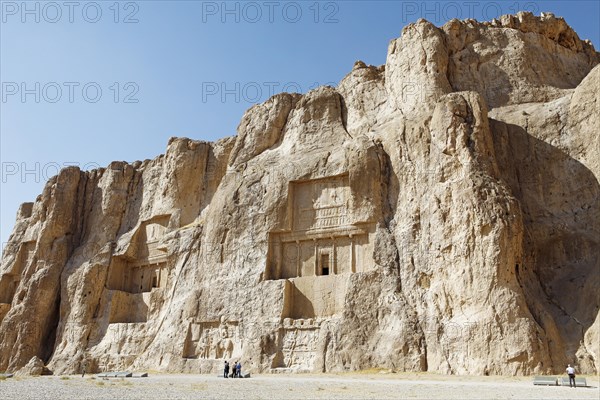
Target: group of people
x,y
236,370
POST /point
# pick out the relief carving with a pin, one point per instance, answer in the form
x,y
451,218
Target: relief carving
x,y
212,340
144,266
324,239
299,338
321,203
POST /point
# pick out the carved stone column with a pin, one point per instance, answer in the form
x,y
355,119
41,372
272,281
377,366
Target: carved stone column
x,y
352,255
333,261
316,257
298,259
279,259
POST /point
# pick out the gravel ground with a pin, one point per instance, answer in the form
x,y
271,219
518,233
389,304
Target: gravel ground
x,y
342,386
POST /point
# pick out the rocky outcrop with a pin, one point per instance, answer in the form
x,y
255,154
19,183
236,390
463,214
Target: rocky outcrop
x,y
35,367
550,160
517,59
439,213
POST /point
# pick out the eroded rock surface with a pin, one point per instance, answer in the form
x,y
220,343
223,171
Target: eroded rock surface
x,y
438,213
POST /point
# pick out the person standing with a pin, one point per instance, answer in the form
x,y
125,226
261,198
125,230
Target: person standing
x,y
234,370
226,370
571,373
238,368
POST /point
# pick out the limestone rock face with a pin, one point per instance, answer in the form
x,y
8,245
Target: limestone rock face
x,y
261,126
439,213
416,72
517,59
364,96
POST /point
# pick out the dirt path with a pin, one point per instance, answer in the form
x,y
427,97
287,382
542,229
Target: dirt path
x,y
343,386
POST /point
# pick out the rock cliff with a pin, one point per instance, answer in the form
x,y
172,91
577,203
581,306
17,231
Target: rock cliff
x,y
438,213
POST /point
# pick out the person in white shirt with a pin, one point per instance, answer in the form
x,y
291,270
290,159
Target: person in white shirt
x,y
571,373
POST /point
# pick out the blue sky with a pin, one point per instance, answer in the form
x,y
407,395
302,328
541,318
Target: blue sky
x,y
86,83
